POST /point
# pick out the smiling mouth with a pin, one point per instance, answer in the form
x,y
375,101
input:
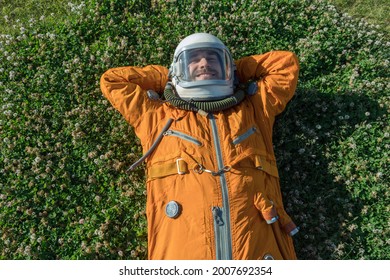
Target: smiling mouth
x,y
205,75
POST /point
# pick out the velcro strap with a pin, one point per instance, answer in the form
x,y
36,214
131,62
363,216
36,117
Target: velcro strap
x,y
262,164
179,166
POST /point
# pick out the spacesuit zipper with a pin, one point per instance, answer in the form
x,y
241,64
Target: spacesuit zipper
x,y
183,136
244,136
222,230
218,230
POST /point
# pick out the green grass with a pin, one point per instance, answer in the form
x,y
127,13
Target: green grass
x,y
64,192
375,11
51,12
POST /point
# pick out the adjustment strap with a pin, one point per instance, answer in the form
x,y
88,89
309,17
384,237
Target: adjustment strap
x,y
177,167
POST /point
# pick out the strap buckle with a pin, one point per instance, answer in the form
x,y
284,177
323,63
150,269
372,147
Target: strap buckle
x,y
200,169
179,170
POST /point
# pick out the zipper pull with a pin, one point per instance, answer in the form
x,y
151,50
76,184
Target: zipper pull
x,y
217,213
168,132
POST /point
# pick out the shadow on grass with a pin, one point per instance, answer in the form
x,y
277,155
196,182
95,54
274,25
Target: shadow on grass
x,y
307,139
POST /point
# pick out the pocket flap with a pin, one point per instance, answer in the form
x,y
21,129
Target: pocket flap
x,y
267,166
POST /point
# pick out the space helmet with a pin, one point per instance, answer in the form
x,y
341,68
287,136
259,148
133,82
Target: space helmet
x,y
202,69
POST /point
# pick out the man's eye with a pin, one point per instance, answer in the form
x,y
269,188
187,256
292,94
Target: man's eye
x,y
194,60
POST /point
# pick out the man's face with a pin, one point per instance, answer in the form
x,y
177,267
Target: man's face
x,y
204,65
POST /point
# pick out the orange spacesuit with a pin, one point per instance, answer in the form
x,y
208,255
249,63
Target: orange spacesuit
x,y
212,182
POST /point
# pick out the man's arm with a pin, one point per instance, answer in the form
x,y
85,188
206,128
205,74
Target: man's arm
x,y
125,88
277,73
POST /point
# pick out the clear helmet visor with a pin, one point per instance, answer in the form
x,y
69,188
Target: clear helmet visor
x,y
204,64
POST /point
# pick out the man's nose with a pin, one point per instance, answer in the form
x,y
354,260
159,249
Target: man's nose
x,y
203,62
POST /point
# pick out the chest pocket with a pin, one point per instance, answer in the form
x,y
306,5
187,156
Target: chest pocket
x,y
242,137
183,136
251,151
249,138
175,155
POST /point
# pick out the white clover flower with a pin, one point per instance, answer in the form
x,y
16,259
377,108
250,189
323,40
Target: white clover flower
x,y
37,159
379,175
33,237
52,36
12,75
8,113
27,250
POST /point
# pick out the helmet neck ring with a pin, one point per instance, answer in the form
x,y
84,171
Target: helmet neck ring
x,y
206,106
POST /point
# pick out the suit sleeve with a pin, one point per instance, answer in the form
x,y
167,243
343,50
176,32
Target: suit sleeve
x,y
125,88
277,76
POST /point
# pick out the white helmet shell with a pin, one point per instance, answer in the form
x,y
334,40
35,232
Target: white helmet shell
x,y
219,83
